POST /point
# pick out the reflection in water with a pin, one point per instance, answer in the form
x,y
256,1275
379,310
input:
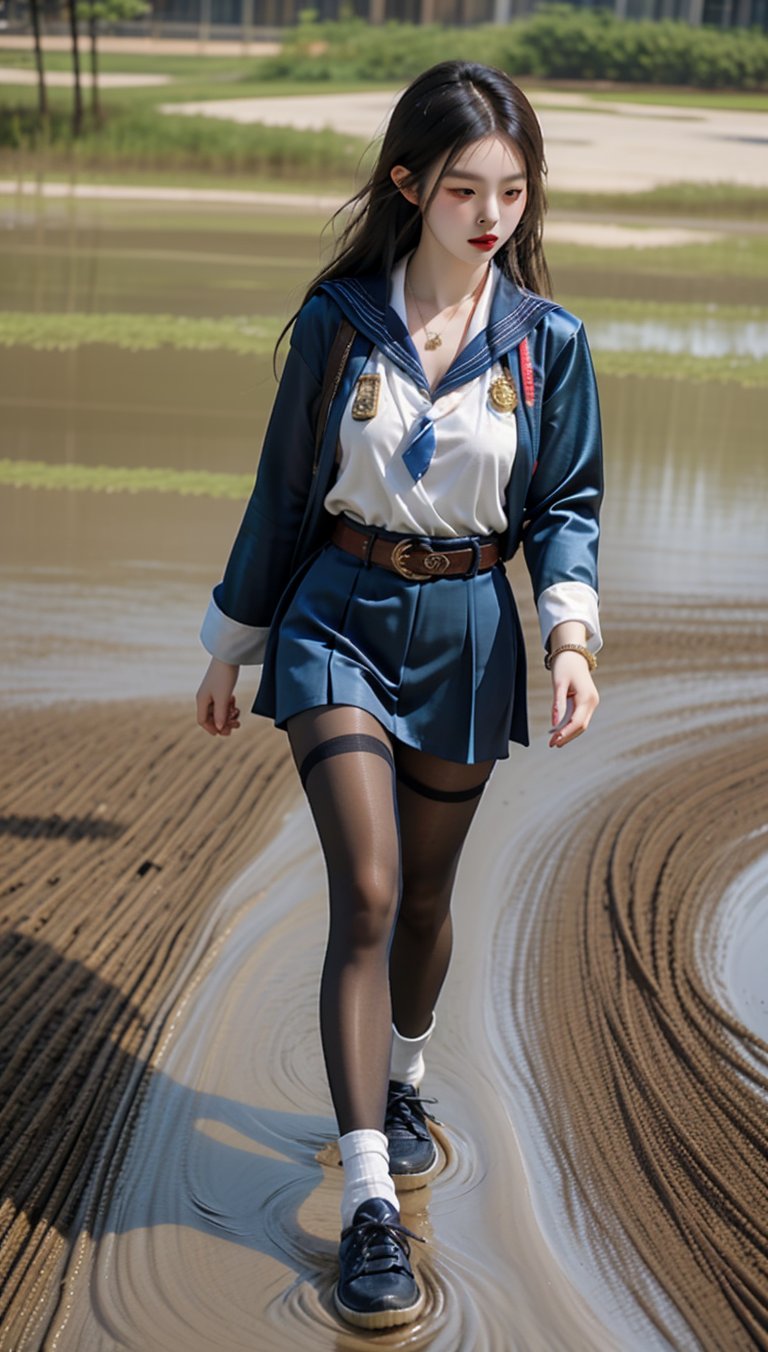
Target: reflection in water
x,y
685,496
100,405
700,338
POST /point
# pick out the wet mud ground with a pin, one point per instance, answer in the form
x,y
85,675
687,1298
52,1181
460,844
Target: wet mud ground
x,y
600,1062
601,1053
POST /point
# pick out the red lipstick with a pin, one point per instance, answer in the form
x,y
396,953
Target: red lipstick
x,y
484,241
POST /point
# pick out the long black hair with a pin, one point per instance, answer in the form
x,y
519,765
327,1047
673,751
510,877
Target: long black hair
x,y
444,110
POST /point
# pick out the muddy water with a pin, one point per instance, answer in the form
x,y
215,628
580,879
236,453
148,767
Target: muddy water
x,y
601,1054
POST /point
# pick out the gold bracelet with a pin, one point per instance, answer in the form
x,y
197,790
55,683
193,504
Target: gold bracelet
x,y
571,647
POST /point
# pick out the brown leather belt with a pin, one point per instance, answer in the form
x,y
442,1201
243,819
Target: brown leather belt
x,y
411,559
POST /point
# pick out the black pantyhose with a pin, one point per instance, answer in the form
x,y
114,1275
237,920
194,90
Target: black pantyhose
x,y
437,801
392,822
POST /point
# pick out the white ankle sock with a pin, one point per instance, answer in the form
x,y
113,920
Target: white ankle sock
x,y
407,1061
365,1156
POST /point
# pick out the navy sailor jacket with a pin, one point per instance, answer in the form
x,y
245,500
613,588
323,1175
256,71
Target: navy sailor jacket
x,y
554,492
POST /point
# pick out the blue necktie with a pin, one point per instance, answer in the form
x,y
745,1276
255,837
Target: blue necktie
x,y
421,447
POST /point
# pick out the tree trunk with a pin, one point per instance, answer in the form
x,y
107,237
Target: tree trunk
x,y
77,106
96,115
42,93
246,22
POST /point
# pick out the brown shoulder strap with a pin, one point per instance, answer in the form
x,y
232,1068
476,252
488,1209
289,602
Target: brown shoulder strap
x,y
337,360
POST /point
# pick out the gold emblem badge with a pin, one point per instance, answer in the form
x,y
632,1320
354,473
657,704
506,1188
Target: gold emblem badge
x,y
502,394
366,403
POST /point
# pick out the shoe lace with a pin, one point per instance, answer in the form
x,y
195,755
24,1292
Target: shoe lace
x,y
377,1238
403,1105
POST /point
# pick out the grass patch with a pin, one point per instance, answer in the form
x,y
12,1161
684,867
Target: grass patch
x,y
123,479
732,100
140,139
243,335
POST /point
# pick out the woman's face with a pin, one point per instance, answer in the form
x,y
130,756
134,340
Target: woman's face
x,y
487,184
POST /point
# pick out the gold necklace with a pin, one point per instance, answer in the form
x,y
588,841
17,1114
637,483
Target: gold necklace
x,y
433,337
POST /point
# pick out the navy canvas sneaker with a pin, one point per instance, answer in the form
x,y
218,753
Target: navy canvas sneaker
x,y
413,1157
376,1287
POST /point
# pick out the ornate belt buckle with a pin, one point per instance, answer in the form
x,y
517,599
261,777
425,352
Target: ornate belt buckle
x,y
433,561
400,552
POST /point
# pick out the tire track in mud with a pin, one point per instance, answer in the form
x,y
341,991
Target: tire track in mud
x,y
120,825
650,1091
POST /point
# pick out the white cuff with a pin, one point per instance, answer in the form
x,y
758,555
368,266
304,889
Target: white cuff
x,y
230,641
570,601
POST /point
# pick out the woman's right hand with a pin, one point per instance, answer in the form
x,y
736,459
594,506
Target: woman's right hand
x,y
217,711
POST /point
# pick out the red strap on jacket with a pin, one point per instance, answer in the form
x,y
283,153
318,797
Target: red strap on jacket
x,y
526,368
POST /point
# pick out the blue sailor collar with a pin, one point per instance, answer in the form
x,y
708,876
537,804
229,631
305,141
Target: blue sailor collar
x,y
364,300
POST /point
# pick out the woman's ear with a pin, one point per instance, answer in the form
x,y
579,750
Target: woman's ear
x,y
397,173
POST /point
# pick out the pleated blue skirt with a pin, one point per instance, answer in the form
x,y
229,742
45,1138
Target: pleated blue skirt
x,y
441,663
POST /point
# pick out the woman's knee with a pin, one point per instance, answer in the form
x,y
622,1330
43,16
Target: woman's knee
x,y
425,905
364,906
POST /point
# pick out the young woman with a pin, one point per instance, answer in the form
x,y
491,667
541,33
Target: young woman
x,y
368,578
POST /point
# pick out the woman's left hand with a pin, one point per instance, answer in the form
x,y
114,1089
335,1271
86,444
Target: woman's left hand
x,y
575,693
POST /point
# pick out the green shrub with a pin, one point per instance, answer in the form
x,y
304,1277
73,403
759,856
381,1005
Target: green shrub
x,y
573,44
558,42
356,50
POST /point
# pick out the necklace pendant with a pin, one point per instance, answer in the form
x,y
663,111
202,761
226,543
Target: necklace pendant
x,y
502,394
433,340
